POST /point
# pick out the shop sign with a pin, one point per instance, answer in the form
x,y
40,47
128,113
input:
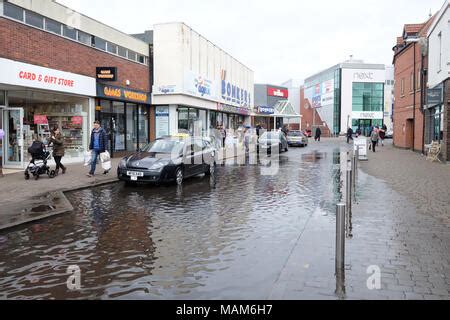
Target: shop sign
x,y
368,115
265,110
40,119
77,120
435,96
199,86
165,89
279,93
233,109
28,75
106,73
118,93
162,121
234,94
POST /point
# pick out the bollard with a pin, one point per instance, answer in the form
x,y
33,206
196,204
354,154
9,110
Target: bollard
x,y
349,203
340,238
354,176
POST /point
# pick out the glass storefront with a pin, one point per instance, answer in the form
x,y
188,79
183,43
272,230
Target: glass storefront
x,y
127,125
33,114
368,97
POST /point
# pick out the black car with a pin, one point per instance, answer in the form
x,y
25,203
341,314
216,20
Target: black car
x,y
170,159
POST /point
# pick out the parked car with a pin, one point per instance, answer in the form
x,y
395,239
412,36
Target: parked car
x,y
297,138
389,134
273,139
169,159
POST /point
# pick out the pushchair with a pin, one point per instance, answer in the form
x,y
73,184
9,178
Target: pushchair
x,y
38,164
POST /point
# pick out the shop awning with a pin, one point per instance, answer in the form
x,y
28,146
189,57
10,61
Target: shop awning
x,y
284,109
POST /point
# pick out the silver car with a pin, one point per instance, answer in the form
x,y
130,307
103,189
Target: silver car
x,y
270,140
297,139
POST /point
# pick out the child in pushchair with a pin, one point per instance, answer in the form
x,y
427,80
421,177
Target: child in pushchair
x,y
38,164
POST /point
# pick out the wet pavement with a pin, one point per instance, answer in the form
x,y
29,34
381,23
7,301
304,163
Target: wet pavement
x,y
241,235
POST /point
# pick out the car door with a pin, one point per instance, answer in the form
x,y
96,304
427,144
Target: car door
x,y
198,156
189,166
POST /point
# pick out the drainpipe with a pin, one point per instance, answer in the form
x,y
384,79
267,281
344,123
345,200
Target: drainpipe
x,y
422,100
414,99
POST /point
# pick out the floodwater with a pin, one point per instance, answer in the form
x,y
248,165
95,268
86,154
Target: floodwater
x,y
226,237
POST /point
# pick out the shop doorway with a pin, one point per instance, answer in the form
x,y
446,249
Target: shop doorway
x,y
13,141
366,125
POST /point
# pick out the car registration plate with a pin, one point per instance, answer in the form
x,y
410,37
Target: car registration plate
x,y
135,174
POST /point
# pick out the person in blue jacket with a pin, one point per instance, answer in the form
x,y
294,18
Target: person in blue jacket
x,y
98,145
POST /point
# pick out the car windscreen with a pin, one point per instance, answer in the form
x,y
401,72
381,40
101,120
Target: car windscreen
x,y
295,134
165,146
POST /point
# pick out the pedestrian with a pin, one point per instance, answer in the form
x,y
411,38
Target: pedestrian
x,y
318,134
349,134
374,138
382,133
57,140
285,129
99,141
358,132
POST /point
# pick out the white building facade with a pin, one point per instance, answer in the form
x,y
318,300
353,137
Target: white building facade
x,y
197,86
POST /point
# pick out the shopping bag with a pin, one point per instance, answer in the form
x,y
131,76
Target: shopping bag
x,y
106,165
87,158
105,156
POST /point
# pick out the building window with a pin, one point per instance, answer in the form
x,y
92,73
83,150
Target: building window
x,y
13,11
141,59
402,88
53,26
99,43
84,38
112,48
122,52
34,19
70,32
419,79
132,55
411,82
368,97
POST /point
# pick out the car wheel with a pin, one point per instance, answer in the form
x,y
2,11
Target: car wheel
x,y
179,176
27,176
36,177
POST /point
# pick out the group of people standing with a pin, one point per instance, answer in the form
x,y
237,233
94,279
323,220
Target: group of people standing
x,y
376,135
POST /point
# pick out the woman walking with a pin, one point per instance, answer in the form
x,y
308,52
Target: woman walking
x,y
374,137
58,149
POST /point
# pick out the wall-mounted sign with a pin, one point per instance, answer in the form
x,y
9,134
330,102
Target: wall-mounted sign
x,y
164,89
28,75
435,96
361,76
368,115
162,121
118,93
106,73
40,119
265,110
232,109
233,94
276,92
199,86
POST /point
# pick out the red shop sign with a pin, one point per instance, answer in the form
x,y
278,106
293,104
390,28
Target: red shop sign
x,y
279,93
77,120
40,119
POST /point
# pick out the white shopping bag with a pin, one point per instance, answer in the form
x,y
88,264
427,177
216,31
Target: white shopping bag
x,y
105,156
106,165
87,158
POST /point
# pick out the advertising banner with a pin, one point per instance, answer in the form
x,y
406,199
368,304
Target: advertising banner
x,y
162,121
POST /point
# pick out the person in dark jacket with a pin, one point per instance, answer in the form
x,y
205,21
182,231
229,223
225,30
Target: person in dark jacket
x,y
349,134
99,141
58,149
318,134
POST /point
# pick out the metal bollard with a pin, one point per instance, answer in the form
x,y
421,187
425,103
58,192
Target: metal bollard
x,y
349,203
340,238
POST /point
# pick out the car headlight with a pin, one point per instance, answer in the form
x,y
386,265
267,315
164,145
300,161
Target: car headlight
x,y
159,166
123,163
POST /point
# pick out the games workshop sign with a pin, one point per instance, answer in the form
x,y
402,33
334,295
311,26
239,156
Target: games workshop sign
x,y
122,94
106,73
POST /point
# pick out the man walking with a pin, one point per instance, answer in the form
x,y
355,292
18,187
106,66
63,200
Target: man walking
x,y
349,135
318,134
99,141
374,137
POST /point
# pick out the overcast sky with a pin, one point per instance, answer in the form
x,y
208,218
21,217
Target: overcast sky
x,y
281,39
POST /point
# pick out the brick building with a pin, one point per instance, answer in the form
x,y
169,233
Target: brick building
x,y
410,63
49,60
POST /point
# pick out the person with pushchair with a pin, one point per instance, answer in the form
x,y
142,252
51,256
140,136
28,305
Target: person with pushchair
x,y
97,146
57,140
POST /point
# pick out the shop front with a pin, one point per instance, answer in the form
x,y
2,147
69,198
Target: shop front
x,y
263,117
125,115
34,100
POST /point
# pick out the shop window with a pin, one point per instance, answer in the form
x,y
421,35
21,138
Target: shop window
x,y
112,48
132,132
99,43
53,26
143,126
34,19
13,11
2,98
84,38
183,119
118,126
70,32
122,52
132,55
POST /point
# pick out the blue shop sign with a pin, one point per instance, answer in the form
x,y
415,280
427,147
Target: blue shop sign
x,y
233,93
266,110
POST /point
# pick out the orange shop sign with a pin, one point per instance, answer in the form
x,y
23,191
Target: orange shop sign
x,y
118,93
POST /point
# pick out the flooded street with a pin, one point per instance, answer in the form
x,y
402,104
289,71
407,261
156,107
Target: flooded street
x,y
212,238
